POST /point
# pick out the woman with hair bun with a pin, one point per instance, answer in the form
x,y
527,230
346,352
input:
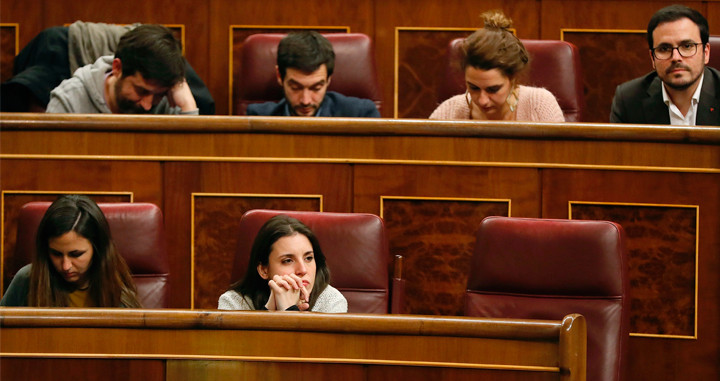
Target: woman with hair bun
x,y
492,60
76,263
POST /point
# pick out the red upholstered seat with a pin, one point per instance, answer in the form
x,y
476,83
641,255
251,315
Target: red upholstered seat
x,y
355,248
139,235
546,269
714,52
354,75
554,65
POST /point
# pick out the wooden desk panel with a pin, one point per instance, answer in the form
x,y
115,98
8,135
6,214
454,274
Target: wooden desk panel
x,y
287,342
536,170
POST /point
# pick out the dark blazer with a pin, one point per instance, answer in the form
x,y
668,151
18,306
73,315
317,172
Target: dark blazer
x,y
334,104
640,101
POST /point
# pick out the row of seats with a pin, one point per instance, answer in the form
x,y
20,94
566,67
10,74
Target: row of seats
x,y
521,268
555,65
356,75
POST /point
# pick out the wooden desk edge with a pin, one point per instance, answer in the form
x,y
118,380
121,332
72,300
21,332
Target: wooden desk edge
x,y
357,127
542,330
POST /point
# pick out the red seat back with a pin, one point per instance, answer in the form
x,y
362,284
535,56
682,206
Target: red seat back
x,y
714,52
545,269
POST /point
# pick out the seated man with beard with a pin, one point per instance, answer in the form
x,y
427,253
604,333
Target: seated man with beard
x,y
146,75
681,90
305,64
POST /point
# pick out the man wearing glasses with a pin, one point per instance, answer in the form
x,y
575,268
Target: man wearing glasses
x,y
681,90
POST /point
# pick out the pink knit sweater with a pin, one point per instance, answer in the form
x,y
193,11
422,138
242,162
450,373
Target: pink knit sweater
x,y
535,104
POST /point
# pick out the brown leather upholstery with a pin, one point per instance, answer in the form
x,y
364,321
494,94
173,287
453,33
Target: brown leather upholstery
x,y
354,75
139,235
545,269
355,248
714,52
554,65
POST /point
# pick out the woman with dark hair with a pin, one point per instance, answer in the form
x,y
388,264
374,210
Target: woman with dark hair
x,y
76,262
286,272
493,59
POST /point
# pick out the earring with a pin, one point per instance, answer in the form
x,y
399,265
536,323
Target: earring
x,y
512,103
467,99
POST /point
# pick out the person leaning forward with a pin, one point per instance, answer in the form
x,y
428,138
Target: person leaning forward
x,y
145,76
305,63
681,90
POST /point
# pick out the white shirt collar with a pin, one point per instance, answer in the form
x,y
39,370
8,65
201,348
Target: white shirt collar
x,y
676,117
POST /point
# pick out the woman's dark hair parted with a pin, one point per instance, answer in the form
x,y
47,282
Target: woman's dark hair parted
x,y
253,285
109,281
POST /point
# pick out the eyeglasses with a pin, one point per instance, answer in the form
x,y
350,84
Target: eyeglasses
x,y
665,51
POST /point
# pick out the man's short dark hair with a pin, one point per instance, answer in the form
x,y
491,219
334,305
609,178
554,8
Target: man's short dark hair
x,y
153,51
305,51
674,13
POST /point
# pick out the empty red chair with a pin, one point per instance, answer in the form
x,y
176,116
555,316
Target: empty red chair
x,y
529,268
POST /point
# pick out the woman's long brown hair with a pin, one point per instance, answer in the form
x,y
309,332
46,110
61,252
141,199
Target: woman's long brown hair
x,y
110,283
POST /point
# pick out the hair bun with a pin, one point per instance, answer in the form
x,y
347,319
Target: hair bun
x,y
495,19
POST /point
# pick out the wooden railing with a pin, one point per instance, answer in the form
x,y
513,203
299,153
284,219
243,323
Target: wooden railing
x,y
284,345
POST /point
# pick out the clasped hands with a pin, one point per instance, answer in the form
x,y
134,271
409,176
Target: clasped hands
x,y
286,291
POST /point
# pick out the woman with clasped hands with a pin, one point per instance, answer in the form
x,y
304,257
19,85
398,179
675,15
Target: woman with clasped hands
x,y
492,60
287,272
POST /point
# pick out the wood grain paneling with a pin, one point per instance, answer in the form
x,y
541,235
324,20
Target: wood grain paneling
x,y
436,238
433,231
420,68
662,263
9,40
81,369
659,357
604,14
215,229
519,185
608,58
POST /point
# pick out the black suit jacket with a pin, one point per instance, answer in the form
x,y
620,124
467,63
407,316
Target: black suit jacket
x,y
334,104
640,101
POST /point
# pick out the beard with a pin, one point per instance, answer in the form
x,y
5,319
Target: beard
x,y
126,106
682,85
313,107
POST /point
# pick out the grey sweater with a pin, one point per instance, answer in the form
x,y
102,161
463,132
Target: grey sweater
x,y
330,300
84,93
